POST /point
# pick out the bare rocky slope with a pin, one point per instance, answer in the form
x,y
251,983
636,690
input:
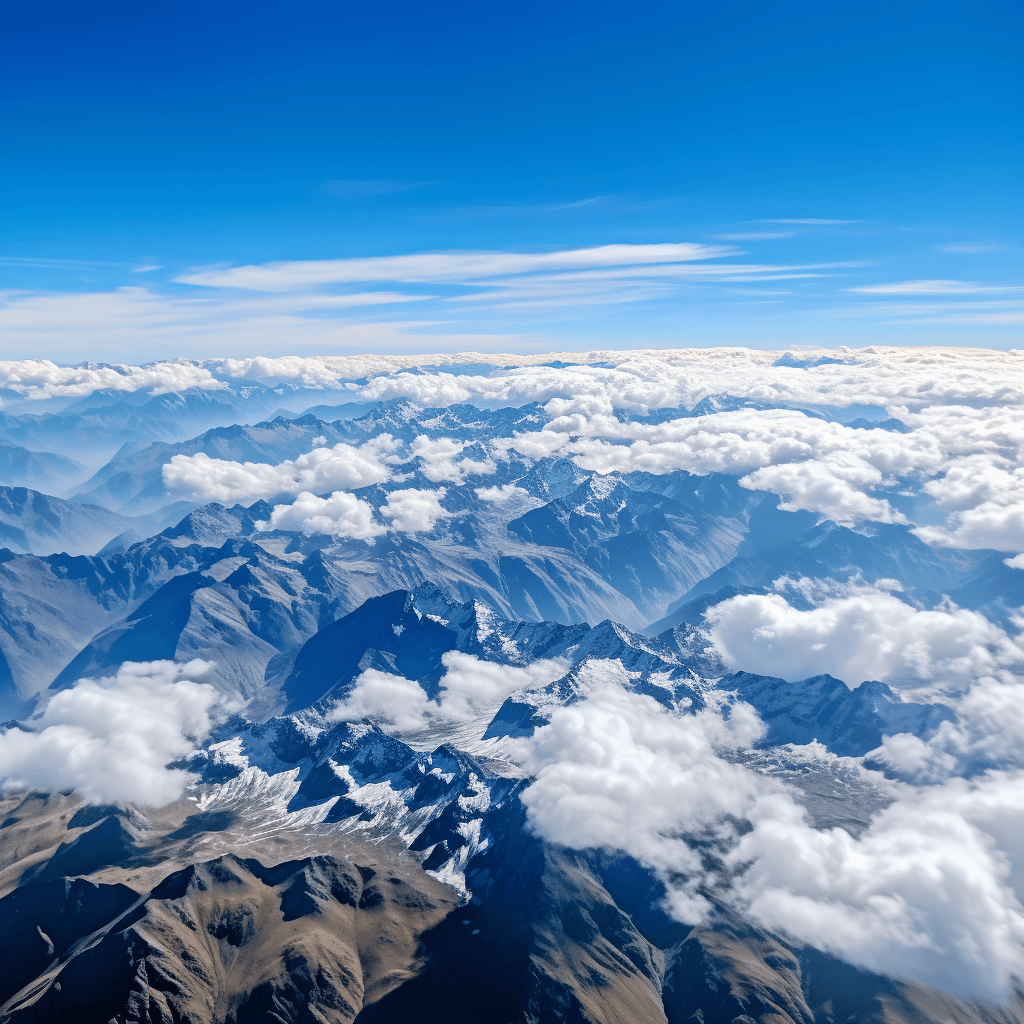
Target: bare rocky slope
x,y
147,925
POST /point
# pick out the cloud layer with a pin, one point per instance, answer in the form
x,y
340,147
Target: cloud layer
x,y
959,452
636,379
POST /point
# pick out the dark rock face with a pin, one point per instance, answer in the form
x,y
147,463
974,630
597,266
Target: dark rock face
x,y
387,624
849,722
112,840
42,920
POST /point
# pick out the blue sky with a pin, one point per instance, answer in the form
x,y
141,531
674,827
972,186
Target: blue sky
x,y
851,170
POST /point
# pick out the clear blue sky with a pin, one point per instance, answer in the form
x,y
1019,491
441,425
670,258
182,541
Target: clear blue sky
x,y
185,135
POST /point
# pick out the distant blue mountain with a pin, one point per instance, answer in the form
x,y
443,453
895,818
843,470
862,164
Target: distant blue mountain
x,y
831,552
45,471
33,522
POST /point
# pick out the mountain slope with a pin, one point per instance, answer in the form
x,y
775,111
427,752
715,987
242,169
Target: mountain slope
x,y
836,553
314,938
20,467
35,523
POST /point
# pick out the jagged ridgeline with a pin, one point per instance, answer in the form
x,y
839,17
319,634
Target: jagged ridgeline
x,y
396,698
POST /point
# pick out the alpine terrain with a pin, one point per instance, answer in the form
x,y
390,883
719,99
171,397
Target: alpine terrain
x,y
678,687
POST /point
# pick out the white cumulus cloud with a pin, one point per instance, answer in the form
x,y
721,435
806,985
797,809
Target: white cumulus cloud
x,y
395,703
470,685
812,464
499,495
618,771
438,458
111,738
322,469
986,497
836,488
925,893
987,734
340,515
859,634
415,509
42,378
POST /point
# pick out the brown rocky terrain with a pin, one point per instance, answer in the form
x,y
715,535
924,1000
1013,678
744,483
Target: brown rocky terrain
x,y
178,915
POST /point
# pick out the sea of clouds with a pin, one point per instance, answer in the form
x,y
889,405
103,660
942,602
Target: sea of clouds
x,y
959,461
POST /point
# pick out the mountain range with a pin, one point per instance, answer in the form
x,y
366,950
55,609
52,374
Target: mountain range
x,y
355,837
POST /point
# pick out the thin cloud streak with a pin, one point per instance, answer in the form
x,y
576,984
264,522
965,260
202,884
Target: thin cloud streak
x,y
125,320
754,236
1008,319
626,284
291,306
933,288
1006,313
816,221
969,248
45,262
451,267
514,210
361,189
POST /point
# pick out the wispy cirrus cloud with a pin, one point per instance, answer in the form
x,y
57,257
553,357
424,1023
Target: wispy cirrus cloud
x,y
933,288
632,283
122,322
942,301
954,310
967,314
601,275
49,263
970,248
463,299
505,210
443,267
754,236
814,221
